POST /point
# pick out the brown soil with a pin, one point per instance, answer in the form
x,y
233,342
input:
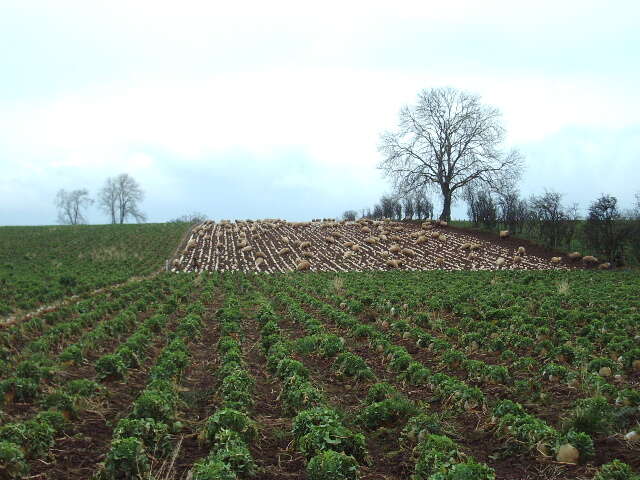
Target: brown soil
x,y
272,452
197,392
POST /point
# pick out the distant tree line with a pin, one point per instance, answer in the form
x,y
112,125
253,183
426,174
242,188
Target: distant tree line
x,y
606,231
411,207
119,198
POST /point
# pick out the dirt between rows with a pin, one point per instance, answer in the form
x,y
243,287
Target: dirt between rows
x,y
275,246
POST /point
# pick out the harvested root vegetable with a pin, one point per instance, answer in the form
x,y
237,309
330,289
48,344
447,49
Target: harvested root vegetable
x,y
556,260
248,248
305,245
356,248
604,266
605,372
567,453
408,252
517,259
349,244
259,254
303,265
394,248
633,436
500,261
504,233
284,251
394,263
465,246
574,256
260,261
440,262
521,251
589,259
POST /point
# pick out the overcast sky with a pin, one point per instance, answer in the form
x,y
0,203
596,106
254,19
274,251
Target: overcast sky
x,y
274,109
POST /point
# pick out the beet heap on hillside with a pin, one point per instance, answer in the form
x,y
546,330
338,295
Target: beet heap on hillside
x,y
273,245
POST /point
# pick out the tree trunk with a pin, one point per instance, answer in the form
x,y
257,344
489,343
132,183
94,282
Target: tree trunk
x,y
446,205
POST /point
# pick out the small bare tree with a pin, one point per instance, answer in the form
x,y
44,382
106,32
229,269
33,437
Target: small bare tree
x,y
605,230
349,215
448,141
70,206
120,198
409,210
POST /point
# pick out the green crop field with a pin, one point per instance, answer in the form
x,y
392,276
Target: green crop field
x,y
39,265
395,375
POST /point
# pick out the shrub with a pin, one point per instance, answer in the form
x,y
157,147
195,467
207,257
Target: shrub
x,y
332,465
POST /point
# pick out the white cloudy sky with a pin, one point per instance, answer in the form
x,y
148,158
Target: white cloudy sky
x,y
274,109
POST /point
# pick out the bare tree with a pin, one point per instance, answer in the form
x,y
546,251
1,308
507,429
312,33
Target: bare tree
x,y
409,210
387,206
481,207
605,230
397,208
191,218
120,198
70,206
349,215
513,211
423,205
446,142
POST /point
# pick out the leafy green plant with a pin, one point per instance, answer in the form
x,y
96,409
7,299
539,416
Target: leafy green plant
x,y
229,419
353,365
35,437
579,440
110,366
158,405
212,469
419,426
332,465
434,453
616,470
469,470
380,391
229,448
320,438
154,435
592,415
12,461
386,412
126,460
